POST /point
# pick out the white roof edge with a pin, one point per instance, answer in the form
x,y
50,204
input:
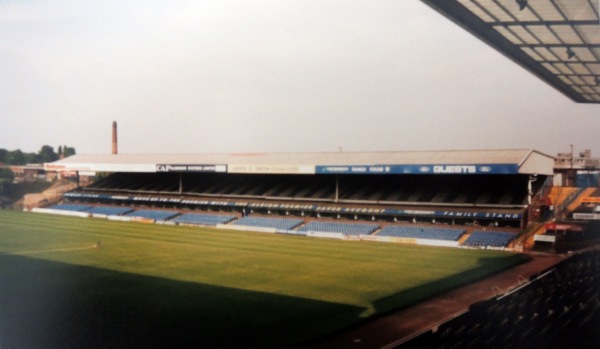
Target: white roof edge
x,y
537,162
306,161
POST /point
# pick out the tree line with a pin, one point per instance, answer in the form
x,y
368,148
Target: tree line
x,y
45,154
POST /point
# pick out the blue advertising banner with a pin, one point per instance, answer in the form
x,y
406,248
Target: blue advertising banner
x,y
420,169
424,213
315,208
457,214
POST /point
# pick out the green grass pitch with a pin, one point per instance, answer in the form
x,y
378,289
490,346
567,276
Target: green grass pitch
x,y
156,286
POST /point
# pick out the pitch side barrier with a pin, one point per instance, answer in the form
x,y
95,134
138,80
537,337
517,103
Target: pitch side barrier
x,y
260,229
328,235
291,232
409,241
313,208
61,212
119,218
247,228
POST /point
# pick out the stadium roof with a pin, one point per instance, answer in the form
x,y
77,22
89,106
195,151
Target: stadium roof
x,y
416,162
557,40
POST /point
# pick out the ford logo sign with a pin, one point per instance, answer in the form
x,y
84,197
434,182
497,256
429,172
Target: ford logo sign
x,y
485,169
424,169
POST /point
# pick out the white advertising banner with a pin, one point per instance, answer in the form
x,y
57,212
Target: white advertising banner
x,y
90,167
592,216
271,169
322,234
439,243
544,238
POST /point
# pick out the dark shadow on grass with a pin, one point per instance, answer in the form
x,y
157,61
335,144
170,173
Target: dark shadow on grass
x,y
45,304
410,297
486,267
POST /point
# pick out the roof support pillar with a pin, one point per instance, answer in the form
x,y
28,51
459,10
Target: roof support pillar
x,y
180,183
337,188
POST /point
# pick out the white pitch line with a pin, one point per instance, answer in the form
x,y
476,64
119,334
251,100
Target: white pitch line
x,y
88,247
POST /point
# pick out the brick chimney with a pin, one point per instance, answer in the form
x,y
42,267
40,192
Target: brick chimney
x,y
114,138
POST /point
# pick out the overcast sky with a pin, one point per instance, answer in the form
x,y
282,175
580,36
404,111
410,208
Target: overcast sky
x,y
268,76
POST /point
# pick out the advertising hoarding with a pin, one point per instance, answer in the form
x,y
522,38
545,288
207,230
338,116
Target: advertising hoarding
x,y
420,169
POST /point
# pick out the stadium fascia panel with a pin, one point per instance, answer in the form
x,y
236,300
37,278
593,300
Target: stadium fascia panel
x,y
369,169
132,200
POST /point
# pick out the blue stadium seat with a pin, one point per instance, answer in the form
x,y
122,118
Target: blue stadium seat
x,y
481,238
265,222
433,233
71,207
110,210
344,228
153,214
556,309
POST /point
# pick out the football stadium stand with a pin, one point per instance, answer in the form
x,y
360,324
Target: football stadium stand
x,y
364,191
489,188
559,308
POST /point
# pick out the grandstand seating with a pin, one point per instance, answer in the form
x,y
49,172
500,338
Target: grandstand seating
x,y
157,215
71,207
231,185
110,210
344,228
482,190
558,309
450,189
203,219
480,238
267,222
486,200
433,233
